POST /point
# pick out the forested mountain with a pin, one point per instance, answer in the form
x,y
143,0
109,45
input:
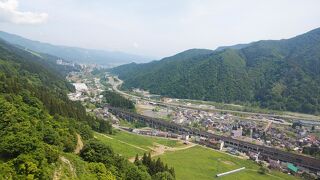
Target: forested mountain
x,y
78,55
40,126
276,74
237,46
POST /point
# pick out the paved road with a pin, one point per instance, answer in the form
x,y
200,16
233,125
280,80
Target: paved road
x,y
116,84
119,82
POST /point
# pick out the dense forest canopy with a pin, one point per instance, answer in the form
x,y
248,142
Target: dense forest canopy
x,y
274,74
116,100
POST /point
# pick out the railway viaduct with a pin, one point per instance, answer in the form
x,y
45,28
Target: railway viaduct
x,y
310,163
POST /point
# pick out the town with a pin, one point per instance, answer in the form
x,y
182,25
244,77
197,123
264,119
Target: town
x,y
280,132
160,90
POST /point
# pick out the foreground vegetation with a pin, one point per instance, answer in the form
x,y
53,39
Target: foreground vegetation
x,y
41,129
155,166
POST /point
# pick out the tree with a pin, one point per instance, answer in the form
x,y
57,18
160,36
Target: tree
x,y
51,154
159,167
95,151
100,171
163,176
144,159
172,172
149,160
263,169
136,160
6,172
105,127
26,165
133,173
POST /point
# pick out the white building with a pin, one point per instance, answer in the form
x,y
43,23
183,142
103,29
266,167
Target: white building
x,y
80,86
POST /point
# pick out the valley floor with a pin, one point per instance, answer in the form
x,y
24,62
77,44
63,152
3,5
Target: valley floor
x,y
190,161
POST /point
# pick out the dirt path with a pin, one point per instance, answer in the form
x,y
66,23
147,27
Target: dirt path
x,y
160,149
104,136
133,145
268,126
79,144
57,172
125,143
291,115
66,161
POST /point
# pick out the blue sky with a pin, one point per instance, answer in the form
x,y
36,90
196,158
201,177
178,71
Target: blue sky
x,y
157,28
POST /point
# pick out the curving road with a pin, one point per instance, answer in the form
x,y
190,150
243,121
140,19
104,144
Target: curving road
x,y
116,84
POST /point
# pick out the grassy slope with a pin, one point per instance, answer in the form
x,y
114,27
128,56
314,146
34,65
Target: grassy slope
x,y
194,163
79,166
125,123
203,163
129,145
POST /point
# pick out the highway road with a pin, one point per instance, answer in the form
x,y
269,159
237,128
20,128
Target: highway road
x,y
116,84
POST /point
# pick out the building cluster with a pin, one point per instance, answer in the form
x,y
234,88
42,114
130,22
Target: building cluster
x,y
65,63
86,89
154,132
266,130
287,167
269,132
186,116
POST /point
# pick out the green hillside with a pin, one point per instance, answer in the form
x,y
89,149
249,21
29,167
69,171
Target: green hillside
x,y
275,74
41,130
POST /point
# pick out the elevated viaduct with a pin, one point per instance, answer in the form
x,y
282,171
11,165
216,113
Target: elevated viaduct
x,y
266,152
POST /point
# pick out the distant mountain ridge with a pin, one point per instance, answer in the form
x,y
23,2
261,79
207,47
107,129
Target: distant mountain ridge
x,y
237,46
75,54
276,74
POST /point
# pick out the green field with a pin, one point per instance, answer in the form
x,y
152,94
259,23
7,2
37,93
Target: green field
x,y
125,123
129,144
203,163
194,163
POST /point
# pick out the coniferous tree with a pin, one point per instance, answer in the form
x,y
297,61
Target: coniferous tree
x,y
144,159
172,172
157,167
136,160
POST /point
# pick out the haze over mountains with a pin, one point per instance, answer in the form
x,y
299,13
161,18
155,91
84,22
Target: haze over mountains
x,y
75,54
277,74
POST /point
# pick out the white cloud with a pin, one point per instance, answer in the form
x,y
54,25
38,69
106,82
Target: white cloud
x,y
9,13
